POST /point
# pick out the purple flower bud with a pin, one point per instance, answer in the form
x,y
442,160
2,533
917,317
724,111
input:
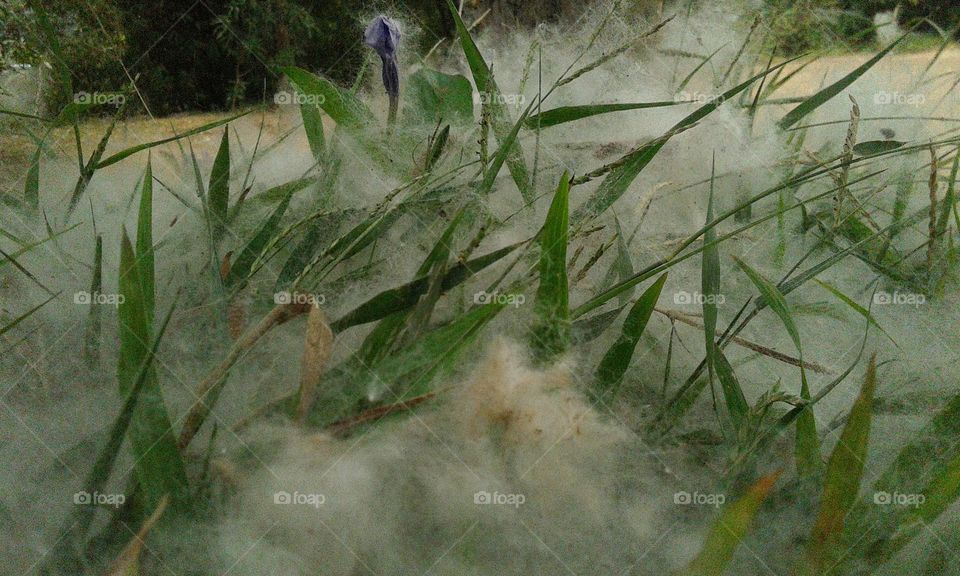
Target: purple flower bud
x,y
383,35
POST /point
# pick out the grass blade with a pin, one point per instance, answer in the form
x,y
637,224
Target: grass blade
x,y
807,445
92,334
218,192
564,114
342,106
159,468
551,336
487,86
64,553
144,251
615,362
396,299
241,268
141,147
843,474
852,304
821,97
728,531
31,188
629,167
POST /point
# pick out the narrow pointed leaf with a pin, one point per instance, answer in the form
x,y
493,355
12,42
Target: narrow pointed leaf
x,y
487,86
564,114
552,333
821,97
729,530
842,483
615,362
218,192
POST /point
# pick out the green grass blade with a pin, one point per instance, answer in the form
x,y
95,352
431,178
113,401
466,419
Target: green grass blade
x,y
551,336
736,402
821,97
502,155
385,334
345,108
313,127
629,167
141,147
842,483
564,114
874,147
710,287
856,307
807,444
698,67
397,299
218,192
13,323
729,530
31,187
485,84
159,469
78,524
773,298
144,251
932,454
436,351
92,333
615,362
241,268
623,263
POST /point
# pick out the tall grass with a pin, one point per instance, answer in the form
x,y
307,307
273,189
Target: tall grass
x,y
419,332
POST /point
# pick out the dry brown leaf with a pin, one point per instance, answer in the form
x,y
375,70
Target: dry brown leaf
x,y
317,345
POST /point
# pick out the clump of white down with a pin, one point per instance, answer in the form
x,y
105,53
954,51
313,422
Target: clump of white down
x,y
513,472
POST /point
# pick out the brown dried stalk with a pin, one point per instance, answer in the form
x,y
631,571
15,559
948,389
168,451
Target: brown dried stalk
x,y
342,426
786,359
317,346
